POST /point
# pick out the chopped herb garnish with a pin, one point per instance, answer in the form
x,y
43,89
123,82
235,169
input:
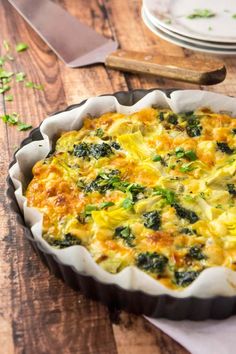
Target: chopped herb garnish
x,y
9,98
105,205
89,208
234,16
20,76
21,47
11,119
187,167
201,13
31,84
152,262
127,203
23,126
189,154
6,45
167,194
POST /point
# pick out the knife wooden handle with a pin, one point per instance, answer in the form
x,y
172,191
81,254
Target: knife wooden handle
x,y
198,71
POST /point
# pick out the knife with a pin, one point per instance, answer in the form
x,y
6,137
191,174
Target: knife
x,y
78,45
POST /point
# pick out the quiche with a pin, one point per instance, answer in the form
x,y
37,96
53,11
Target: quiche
x,y
153,189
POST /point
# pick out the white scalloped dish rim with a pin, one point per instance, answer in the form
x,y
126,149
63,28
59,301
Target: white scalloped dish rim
x,y
214,281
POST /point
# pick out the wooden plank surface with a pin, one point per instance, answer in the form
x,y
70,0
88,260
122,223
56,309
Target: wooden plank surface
x,y
38,313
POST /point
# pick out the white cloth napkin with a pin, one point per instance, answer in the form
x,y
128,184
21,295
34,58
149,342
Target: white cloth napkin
x,y
206,337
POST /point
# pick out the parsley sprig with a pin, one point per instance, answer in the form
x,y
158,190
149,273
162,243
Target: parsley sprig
x,y
6,79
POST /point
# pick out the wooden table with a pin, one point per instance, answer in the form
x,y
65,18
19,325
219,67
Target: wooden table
x,y
38,313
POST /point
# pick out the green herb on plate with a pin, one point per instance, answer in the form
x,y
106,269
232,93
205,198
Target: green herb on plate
x,y
201,13
31,84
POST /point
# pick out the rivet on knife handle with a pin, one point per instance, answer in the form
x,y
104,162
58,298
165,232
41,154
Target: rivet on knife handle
x,y
198,71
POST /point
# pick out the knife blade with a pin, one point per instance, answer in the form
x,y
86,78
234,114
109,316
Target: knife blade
x,y
78,45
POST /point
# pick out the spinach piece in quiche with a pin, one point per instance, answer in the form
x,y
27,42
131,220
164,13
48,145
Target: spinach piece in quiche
x,y
67,241
173,119
100,150
115,145
188,231
224,147
184,213
195,252
193,127
95,150
125,233
231,189
81,150
152,220
184,278
152,262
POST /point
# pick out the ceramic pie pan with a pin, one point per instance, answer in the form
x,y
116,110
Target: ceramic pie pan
x,y
113,295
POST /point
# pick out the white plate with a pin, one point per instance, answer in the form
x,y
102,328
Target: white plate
x,y
182,43
173,15
216,45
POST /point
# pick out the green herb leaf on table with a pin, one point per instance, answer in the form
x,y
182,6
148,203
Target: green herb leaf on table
x,y
20,76
31,84
23,126
4,88
9,98
6,45
21,47
11,119
234,16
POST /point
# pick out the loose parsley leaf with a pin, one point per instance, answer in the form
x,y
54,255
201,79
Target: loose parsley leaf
x,y
6,45
234,16
31,84
201,13
167,194
9,98
4,88
5,74
23,126
20,76
11,119
21,47
2,61
187,167
189,155
127,203
105,205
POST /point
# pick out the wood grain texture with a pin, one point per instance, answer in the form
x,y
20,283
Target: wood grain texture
x,y
38,313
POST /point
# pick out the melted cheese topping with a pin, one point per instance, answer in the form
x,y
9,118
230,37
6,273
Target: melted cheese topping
x,y
152,189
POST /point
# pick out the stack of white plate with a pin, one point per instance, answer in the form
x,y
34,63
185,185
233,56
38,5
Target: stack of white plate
x,y
202,25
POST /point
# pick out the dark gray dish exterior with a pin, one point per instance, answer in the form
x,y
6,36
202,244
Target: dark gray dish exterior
x,y
112,295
